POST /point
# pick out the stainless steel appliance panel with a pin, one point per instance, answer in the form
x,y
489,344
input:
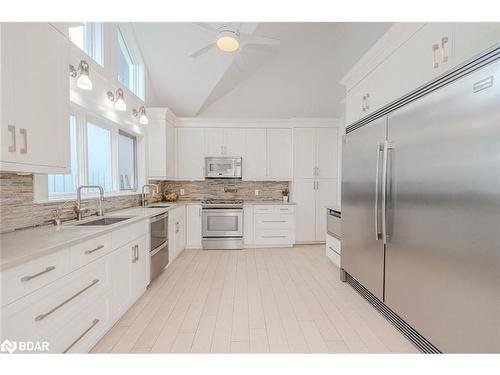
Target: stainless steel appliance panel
x,y
159,259
159,230
333,223
158,252
362,246
443,214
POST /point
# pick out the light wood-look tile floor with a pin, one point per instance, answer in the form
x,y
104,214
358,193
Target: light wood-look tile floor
x,y
277,300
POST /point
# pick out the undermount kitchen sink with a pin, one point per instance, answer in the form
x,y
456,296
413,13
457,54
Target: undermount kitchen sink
x,y
105,221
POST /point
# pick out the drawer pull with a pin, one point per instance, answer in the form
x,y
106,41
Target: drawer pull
x,y
284,209
274,221
94,250
273,236
28,278
43,316
94,323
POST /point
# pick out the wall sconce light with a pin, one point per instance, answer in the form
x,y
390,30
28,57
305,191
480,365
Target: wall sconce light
x,y
82,72
141,113
118,99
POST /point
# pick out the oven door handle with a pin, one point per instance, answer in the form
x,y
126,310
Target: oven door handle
x,y
158,249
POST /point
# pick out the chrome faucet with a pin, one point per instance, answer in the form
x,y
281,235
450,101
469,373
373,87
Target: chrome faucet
x,y
79,210
144,199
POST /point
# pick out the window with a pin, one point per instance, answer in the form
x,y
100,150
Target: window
x,y
127,161
99,156
88,37
130,66
67,183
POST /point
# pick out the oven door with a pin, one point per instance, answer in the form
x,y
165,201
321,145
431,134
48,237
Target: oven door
x,y
159,230
222,222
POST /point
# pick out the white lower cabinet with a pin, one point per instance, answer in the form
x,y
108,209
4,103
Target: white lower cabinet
x,y
311,198
193,226
72,308
333,249
248,231
274,225
176,232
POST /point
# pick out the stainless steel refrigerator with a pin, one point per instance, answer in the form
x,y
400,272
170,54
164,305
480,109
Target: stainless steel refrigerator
x,y
421,209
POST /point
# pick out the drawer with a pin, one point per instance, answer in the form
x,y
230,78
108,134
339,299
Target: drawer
x,y
274,237
85,252
273,221
28,277
274,209
47,309
333,256
82,332
129,233
333,244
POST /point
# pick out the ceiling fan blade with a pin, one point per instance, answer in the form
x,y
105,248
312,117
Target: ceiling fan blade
x,y
237,63
258,40
202,50
205,27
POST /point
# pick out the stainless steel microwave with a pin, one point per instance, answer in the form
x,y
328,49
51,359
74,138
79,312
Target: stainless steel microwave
x,y
223,167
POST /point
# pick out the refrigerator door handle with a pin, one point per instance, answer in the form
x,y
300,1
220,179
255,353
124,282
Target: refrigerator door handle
x,y
378,234
388,145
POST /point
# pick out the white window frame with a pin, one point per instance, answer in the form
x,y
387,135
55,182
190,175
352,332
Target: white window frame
x,y
83,117
126,33
93,42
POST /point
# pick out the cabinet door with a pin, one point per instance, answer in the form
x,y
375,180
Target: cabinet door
x,y
255,157
304,196
234,142
304,150
280,156
355,101
473,37
171,150
193,226
190,153
326,195
121,266
248,228
180,232
157,148
214,142
140,264
40,58
327,152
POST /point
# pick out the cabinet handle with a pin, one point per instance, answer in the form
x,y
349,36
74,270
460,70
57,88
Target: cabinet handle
x,y
24,133
12,130
273,236
435,49
177,227
28,278
94,323
444,45
363,103
367,101
43,316
274,221
135,252
94,250
317,185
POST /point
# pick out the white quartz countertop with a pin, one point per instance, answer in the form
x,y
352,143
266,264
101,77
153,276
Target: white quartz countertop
x,y
274,203
22,246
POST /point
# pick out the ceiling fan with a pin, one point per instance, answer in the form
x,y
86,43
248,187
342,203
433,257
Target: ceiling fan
x,y
230,38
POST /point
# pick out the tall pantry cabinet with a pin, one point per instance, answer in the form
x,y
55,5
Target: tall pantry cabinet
x,y
315,180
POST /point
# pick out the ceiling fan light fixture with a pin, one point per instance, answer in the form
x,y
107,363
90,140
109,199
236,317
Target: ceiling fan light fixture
x,y
228,41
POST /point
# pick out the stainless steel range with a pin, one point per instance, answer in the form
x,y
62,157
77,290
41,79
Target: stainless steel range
x,y
222,224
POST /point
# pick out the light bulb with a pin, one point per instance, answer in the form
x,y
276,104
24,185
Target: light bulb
x,y
120,104
83,82
228,43
143,119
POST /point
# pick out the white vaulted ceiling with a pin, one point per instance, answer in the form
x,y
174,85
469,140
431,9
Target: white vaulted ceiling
x,y
297,79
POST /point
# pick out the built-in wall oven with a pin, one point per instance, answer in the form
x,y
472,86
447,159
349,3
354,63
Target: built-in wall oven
x,y
222,224
159,244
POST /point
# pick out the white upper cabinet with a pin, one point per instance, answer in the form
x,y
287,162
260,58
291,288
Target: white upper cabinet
x,y
280,157
161,144
234,142
35,98
224,142
315,152
255,154
472,37
190,153
214,142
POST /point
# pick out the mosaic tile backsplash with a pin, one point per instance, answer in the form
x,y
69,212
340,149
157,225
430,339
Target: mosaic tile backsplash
x,y
17,209
236,189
